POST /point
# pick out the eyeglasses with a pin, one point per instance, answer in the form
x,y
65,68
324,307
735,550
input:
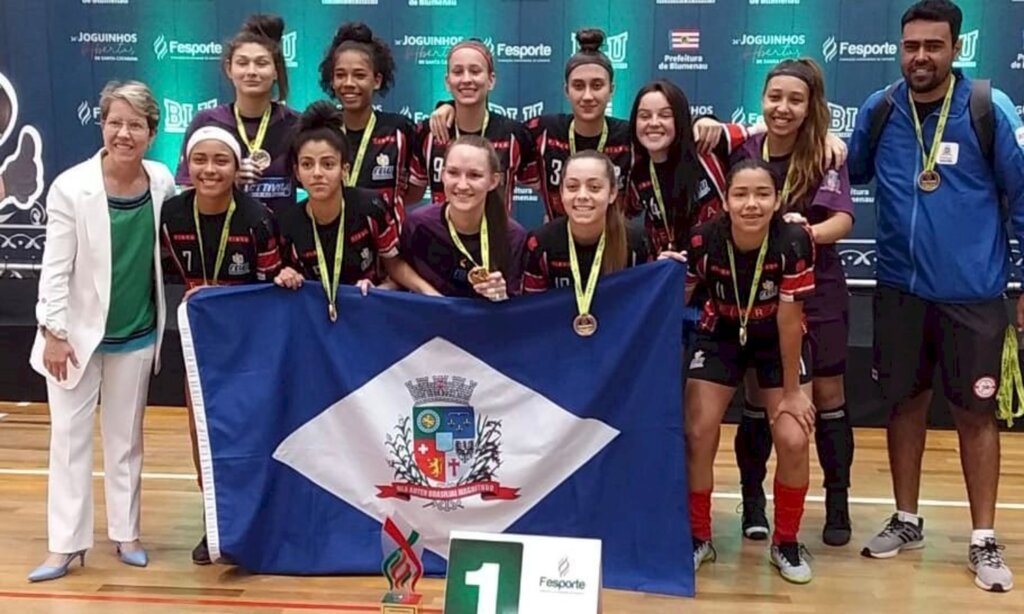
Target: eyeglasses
x,y
134,127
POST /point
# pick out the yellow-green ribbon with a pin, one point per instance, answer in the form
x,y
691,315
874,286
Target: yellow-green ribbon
x,y
745,313
261,132
787,186
600,142
660,199
483,129
222,246
485,244
929,156
353,173
330,289
584,295
1010,380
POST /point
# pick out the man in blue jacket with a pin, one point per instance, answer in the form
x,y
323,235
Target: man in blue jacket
x,y
943,265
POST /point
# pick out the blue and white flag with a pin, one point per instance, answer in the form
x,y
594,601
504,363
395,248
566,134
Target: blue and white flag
x,y
446,414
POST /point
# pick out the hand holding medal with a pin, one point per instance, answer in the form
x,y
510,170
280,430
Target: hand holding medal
x,y
481,273
259,159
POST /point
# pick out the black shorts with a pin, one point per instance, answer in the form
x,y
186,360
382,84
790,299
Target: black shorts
x,y
913,335
829,345
724,361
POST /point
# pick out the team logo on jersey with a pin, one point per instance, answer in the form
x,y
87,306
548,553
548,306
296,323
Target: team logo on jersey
x,y
443,452
985,387
238,265
365,259
968,50
831,182
384,171
703,188
768,290
697,362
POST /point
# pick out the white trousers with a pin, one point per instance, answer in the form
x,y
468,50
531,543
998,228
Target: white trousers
x,y
121,382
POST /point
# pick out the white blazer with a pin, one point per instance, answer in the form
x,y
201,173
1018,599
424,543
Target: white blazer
x,y
74,284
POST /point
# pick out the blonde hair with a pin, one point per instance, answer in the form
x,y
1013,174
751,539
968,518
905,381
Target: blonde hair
x,y
137,95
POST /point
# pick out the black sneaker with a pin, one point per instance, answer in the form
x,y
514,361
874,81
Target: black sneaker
x,y
837,529
755,521
201,553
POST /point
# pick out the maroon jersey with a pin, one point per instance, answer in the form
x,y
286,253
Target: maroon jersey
x,y
547,256
250,256
710,195
551,136
787,275
370,234
511,141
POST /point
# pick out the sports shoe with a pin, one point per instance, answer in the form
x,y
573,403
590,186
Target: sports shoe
x,y
201,553
755,522
990,571
790,558
896,536
837,529
702,551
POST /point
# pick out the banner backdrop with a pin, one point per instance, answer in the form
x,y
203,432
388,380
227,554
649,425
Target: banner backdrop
x,y
446,414
55,56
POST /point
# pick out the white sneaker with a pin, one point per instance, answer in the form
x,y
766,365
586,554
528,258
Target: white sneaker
x,y
790,559
702,551
990,571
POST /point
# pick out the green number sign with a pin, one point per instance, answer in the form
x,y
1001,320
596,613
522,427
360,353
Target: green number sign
x,y
483,577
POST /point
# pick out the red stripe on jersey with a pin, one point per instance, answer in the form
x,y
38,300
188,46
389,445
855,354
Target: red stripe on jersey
x,y
757,312
174,254
418,175
716,172
386,238
514,159
537,283
799,285
735,135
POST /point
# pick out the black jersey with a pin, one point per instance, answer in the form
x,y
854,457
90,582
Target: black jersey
x,y
251,254
276,188
787,275
385,167
712,169
547,256
370,233
551,138
511,141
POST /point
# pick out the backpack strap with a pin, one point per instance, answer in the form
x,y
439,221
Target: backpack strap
x,y
880,116
983,117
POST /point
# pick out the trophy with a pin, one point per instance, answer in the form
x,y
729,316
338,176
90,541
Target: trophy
x,y
403,567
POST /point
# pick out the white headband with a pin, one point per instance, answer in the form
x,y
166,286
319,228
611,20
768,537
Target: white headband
x,y
213,133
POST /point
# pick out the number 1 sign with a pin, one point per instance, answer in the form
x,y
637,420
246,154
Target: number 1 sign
x,y
513,574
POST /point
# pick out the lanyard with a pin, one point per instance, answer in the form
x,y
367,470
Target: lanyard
x,y
225,232
745,313
330,289
261,132
353,173
787,186
600,143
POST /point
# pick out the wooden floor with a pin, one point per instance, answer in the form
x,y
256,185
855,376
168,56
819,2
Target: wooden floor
x,y
931,580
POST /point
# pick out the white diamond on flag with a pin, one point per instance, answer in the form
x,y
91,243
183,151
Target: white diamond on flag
x,y
443,441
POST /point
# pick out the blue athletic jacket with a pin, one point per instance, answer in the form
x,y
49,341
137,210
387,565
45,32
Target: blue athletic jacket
x,y
950,245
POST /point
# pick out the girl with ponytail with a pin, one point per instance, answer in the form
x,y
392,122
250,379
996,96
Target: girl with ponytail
x,y
356,66
258,119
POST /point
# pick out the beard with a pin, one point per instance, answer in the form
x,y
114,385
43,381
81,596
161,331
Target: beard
x,y
925,84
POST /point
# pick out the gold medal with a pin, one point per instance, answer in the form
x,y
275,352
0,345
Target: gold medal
x,y
744,314
929,181
261,159
478,275
330,287
584,324
332,312
743,335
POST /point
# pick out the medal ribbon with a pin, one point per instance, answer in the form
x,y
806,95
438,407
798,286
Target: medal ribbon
x,y
221,247
339,250
928,157
261,132
1010,380
584,296
745,313
600,143
485,244
656,186
353,173
787,186
483,129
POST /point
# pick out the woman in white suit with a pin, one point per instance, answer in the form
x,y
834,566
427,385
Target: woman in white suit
x,y
101,320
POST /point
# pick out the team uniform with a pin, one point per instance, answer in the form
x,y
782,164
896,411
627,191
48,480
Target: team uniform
x,y
787,275
276,188
511,140
370,234
550,134
828,310
251,254
427,246
712,170
385,167
547,256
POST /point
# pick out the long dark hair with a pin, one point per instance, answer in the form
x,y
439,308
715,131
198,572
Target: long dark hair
x,y
494,204
681,195
615,247
267,31
357,36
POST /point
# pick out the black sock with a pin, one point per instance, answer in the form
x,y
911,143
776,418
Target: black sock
x,y
834,438
753,446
